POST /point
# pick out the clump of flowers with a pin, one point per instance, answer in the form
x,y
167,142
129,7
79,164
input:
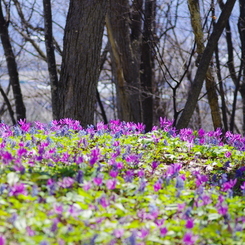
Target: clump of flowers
x,y
120,185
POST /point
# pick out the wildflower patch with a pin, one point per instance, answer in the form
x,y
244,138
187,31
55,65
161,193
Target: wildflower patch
x,y
113,184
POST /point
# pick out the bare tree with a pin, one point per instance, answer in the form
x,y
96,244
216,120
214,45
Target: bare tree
x,y
147,76
12,67
49,41
210,80
126,60
80,61
133,57
203,66
241,27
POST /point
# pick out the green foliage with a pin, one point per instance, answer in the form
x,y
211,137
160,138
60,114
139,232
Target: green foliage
x,y
43,200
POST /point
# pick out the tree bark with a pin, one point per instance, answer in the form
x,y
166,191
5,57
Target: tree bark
x,y
221,90
12,67
241,27
147,63
126,55
125,111
81,59
48,31
230,63
210,81
203,66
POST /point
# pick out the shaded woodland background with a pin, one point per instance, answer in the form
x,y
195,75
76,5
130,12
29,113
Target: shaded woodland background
x,y
133,60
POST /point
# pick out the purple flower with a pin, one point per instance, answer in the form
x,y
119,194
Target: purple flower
x,y
120,165
54,225
113,173
183,177
154,128
205,200
66,182
223,179
65,157
116,153
141,173
58,209
181,206
132,239
157,186
201,133
78,159
118,233
111,184
101,126
87,186
39,125
133,158
142,185
159,222
200,179
165,124
243,186
189,223
29,231
189,238
79,177
21,152
94,156
187,213
228,154
140,127
98,180
154,165
17,189
43,243
186,134
240,172
173,169
143,233
24,125
222,210
61,242
2,240
50,182
52,186
141,214
6,157
163,231
129,176
104,202
180,184
221,198
116,143
228,185
74,210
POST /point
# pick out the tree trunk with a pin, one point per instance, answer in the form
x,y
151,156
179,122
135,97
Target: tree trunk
x,y
51,56
241,27
203,66
126,55
221,90
210,81
147,63
81,60
125,111
12,67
